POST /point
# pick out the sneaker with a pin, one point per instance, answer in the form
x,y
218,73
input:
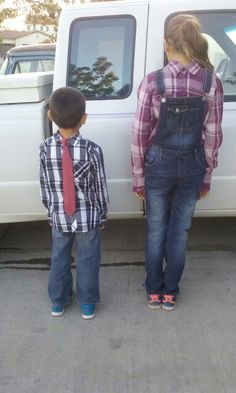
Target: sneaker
x,y
154,301
169,302
88,310
57,311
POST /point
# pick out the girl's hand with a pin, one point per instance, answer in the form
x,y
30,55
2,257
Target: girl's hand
x,y
140,194
203,194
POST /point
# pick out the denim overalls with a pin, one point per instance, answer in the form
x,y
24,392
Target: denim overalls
x,y
175,166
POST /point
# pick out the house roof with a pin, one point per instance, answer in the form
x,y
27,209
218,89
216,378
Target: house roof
x,y
12,34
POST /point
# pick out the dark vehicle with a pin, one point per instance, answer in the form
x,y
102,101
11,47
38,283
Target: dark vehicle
x,y
29,58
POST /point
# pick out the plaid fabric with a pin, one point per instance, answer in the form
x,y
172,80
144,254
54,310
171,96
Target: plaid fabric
x,y
90,184
180,81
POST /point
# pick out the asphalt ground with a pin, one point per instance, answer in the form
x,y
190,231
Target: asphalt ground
x,y
127,348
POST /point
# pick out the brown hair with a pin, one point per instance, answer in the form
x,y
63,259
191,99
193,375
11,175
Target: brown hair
x,y
67,106
183,32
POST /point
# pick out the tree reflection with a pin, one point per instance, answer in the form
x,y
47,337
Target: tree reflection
x,y
96,81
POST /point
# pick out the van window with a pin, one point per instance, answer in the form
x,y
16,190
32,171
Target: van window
x,y
219,29
101,57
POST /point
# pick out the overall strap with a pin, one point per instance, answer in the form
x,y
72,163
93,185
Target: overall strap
x,y
207,81
160,82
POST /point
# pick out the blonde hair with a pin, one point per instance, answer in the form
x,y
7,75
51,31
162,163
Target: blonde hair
x,y
183,33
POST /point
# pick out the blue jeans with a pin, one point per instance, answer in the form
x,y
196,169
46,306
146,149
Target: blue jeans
x,y
172,186
60,282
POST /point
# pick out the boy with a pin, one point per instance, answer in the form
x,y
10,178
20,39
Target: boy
x,y
74,192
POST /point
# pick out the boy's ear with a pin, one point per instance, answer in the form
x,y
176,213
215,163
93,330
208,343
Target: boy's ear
x,y
50,115
84,118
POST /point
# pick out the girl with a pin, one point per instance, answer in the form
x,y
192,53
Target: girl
x,y
176,136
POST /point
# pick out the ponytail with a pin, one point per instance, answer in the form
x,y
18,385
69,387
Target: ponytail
x,y
184,34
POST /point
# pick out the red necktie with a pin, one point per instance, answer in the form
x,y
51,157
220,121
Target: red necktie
x,y
68,182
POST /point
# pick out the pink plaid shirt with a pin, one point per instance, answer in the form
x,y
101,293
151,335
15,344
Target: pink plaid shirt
x,y
180,81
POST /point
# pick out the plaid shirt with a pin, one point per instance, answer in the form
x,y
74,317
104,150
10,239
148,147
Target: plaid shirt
x,y
90,184
180,81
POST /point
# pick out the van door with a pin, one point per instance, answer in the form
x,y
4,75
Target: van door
x,y
219,27
107,62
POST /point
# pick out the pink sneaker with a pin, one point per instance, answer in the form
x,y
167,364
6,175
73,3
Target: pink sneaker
x,y
169,302
154,301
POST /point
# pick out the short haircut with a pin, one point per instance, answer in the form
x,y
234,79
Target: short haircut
x,y
67,106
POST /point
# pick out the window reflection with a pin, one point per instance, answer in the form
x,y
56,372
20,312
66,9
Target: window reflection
x,y
220,31
101,58
96,81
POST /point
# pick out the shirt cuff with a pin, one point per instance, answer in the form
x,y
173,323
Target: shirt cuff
x,y
45,202
207,181
138,184
103,219
205,187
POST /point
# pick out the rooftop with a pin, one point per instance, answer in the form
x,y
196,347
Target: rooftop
x,y
13,34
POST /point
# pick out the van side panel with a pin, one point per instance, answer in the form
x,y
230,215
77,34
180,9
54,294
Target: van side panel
x,y
21,132
109,119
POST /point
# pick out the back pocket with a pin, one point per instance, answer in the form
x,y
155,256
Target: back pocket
x,y
152,155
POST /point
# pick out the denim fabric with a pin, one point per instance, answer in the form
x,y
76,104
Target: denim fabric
x,y
172,187
87,272
174,170
180,123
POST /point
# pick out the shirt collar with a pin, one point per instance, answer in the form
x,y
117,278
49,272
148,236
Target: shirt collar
x,y
72,140
175,67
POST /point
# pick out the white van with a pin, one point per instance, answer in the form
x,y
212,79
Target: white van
x,y
105,49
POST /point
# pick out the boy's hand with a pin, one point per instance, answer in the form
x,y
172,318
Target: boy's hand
x,y
203,194
140,194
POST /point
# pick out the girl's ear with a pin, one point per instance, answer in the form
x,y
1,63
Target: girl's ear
x,y
166,46
50,115
164,43
168,49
